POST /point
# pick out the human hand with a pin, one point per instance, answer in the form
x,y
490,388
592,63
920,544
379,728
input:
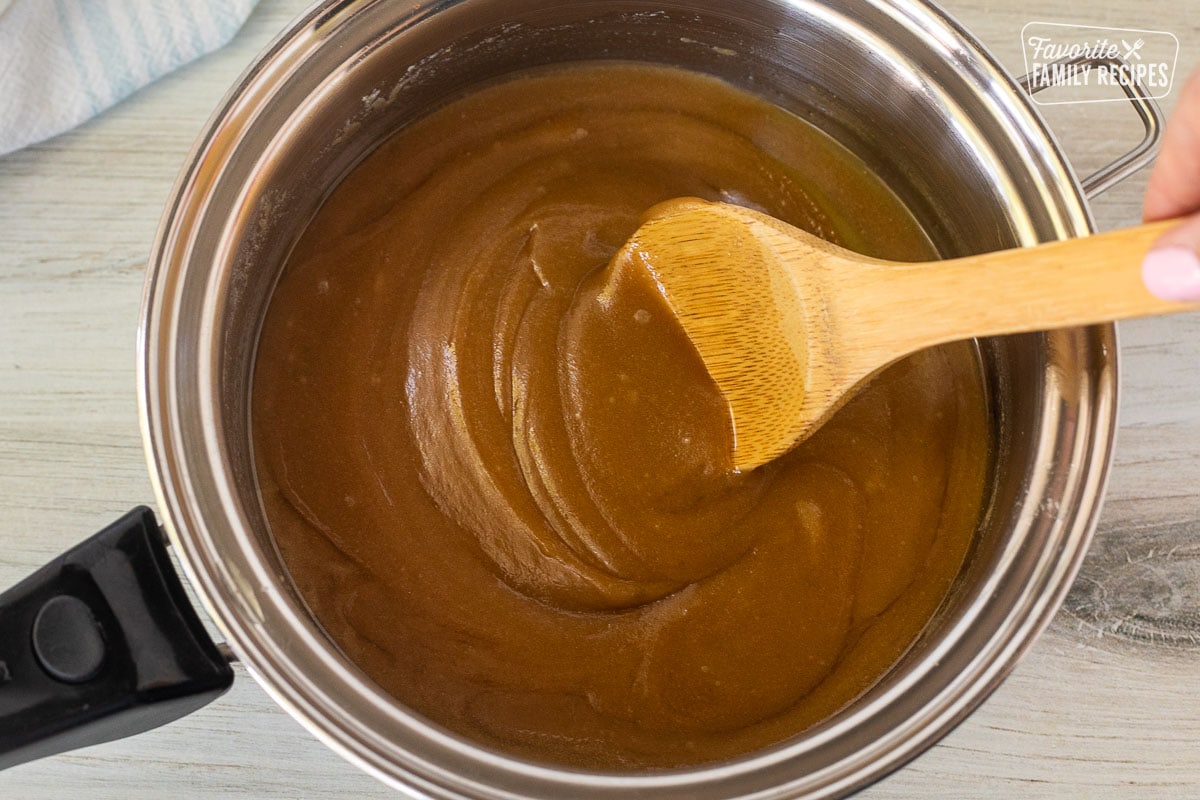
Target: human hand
x,y
1171,270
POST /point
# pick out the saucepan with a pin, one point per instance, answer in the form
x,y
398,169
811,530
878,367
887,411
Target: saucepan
x,y
102,642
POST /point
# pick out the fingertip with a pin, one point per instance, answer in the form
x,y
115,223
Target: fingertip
x,y
1172,272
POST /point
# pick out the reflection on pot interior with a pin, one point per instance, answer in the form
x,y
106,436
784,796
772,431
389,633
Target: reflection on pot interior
x,y
500,476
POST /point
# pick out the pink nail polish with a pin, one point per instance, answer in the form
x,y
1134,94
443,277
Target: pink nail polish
x,y
1172,273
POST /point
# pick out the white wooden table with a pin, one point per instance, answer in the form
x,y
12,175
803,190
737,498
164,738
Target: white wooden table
x,y
1107,704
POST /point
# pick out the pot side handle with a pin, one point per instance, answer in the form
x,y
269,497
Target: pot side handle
x,y
1148,111
101,643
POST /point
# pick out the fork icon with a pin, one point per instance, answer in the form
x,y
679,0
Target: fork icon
x,y
1132,49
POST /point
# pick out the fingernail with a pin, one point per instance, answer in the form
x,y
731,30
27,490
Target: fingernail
x,y
1172,273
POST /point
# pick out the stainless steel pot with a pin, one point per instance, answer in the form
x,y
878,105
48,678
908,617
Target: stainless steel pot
x,y
896,81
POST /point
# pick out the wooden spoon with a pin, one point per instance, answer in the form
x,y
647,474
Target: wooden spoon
x,y
788,325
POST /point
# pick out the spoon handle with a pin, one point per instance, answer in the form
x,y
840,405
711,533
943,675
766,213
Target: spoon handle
x,y
1080,281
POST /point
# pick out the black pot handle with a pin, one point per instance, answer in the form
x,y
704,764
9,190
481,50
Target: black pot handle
x,y
101,643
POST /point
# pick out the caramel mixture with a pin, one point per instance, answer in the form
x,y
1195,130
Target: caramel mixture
x,y
500,476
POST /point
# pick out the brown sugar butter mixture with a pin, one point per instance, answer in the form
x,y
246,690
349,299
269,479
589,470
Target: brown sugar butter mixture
x,y
499,474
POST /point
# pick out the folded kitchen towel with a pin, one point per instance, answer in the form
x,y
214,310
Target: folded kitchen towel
x,y
64,61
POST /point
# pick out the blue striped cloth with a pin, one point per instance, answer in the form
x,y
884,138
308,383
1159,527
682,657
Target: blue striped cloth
x,y
65,61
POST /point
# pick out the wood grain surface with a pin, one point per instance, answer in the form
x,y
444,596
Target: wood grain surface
x,y
1106,704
